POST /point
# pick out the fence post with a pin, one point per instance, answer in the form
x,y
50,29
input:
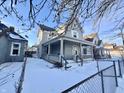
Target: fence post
x,y
97,65
123,61
65,65
119,69
102,81
61,59
81,62
76,57
115,73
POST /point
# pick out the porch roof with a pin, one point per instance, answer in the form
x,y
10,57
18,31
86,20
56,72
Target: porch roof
x,y
69,39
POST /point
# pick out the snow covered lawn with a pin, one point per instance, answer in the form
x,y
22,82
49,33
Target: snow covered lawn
x,y
41,77
120,88
9,74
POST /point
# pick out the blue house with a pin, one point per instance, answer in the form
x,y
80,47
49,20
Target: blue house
x,y
12,45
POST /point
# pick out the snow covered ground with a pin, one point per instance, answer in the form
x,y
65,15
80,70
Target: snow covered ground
x,y
9,74
120,88
42,77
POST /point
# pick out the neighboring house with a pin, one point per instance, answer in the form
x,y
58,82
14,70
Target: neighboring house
x,y
99,50
115,51
32,51
67,43
12,45
110,46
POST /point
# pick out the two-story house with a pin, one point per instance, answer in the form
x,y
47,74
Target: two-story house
x,y
54,44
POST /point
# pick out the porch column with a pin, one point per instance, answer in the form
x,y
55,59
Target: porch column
x,y
81,50
61,47
92,52
107,53
48,50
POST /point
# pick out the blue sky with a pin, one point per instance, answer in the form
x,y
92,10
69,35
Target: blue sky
x,y
104,34
32,35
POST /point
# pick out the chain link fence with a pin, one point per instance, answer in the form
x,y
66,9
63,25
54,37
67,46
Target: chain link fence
x,y
104,81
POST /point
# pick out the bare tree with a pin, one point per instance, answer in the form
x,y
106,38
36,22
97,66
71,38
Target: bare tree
x,y
64,11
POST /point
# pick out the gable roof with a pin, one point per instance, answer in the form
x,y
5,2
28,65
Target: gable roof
x,y
62,29
79,24
2,26
93,35
10,32
14,35
90,37
46,28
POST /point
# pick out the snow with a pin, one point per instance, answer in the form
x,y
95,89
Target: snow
x,y
9,74
15,36
56,80
120,88
42,77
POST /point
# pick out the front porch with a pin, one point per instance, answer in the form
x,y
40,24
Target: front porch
x,y
67,48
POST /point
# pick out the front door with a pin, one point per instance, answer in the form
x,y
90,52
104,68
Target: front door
x,y
75,50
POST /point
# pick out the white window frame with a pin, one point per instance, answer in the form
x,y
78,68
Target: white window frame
x,y
87,49
77,35
12,48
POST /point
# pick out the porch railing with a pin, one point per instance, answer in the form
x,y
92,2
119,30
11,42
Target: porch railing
x,y
119,66
64,62
79,58
53,57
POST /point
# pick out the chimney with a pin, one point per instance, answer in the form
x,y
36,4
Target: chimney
x,y
11,29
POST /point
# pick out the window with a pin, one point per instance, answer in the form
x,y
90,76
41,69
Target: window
x,y
85,50
15,49
51,35
74,34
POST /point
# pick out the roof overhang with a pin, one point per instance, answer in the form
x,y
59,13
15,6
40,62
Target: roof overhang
x,y
69,39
